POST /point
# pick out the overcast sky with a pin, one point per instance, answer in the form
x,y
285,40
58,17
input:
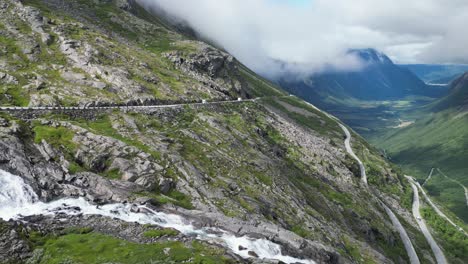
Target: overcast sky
x,y
311,35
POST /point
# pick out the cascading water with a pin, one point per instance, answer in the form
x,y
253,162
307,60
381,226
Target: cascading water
x,y
17,200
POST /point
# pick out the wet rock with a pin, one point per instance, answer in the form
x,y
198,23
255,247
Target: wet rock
x,y
252,254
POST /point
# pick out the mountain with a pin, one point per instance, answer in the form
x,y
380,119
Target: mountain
x,y
437,139
437,73
132,146
380,79
368,99
457,99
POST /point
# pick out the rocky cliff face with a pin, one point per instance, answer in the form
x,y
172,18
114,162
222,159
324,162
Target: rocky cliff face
x,y
274,169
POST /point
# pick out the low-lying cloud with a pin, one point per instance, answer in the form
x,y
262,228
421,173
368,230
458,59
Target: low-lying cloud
x,y
315,35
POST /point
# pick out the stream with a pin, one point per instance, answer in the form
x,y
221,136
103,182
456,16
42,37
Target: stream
x,y
18,200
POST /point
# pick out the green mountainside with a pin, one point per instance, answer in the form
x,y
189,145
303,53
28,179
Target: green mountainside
x,y
438,139
275,168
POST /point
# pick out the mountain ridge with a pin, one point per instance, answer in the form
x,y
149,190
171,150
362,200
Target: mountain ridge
x,y
268,172
432,73
379,79
457,96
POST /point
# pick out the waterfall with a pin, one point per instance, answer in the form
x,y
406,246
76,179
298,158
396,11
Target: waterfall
x,y
15,195
18,199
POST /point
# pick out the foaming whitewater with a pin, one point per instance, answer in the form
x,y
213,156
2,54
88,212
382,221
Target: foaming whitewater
x,y
18,200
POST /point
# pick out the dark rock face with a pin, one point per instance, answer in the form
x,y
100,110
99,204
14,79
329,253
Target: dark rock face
x,y
13,248
212,67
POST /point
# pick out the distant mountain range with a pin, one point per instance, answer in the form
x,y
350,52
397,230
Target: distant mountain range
x,y
380,79
368,99
437,73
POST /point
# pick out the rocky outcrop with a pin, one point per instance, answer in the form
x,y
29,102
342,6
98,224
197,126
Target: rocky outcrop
x,y
93,66
7,79
14,248
36,20
211,67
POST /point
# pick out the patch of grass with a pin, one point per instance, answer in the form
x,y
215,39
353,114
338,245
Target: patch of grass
x,y
300,231
181,199
434,141
155,233
78,230
340,197
14,95
355,252
59,137
264,178
314,120
173,197
98,248
113,174
352,250
453,242
245,205
103,126
257,85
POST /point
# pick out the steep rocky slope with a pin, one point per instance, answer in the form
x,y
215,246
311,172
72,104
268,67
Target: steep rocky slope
x,y
275,169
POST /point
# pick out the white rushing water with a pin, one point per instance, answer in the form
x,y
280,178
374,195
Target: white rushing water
x,y
17,200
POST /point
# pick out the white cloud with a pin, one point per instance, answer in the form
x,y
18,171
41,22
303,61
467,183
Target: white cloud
x,y
310,38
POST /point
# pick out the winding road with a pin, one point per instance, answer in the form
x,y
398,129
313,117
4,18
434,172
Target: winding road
x,y
127,107
396,223
439,255
351,152
403,235
434,206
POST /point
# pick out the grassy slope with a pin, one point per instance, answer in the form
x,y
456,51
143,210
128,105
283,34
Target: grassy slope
x,y
436,140
83,247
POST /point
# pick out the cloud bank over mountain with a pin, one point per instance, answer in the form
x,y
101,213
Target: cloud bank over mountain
x,y
272,36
